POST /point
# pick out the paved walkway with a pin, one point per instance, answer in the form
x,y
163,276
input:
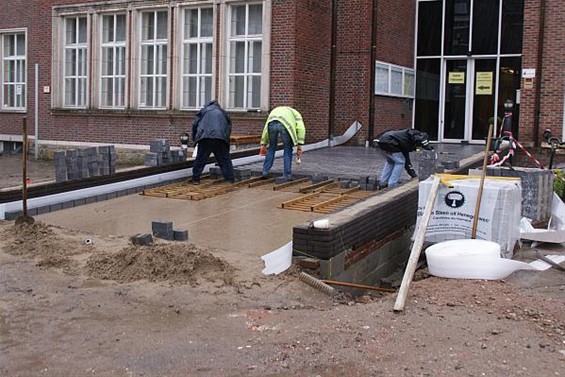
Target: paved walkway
x,y
347,162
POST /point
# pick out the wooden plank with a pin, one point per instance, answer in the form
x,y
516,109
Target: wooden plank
x,y
261,182
333,200
290,183
299,199
317,186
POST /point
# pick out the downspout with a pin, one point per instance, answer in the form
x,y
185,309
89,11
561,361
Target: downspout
x,y
333,59
372,72
537,107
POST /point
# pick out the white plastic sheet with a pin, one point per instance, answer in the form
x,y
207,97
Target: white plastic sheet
x,y
278,261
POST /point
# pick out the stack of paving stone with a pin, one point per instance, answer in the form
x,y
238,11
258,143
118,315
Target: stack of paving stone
x,y
74,164
107,160
160,153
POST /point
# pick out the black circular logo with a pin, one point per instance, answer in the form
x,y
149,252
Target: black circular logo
x,y
454,199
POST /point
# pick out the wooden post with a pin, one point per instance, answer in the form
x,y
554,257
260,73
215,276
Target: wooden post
x,y
416,247
24,166
481,185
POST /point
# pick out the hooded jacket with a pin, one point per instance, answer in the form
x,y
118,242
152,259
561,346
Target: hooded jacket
x,y
403,141
292,121
211,122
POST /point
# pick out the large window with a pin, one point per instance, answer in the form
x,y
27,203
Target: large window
x,y
153,76
245,56
197,57
394,80
113,61
13,75
131,56
75,62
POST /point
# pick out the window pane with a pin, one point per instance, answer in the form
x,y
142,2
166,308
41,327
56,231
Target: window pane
x,y
107,29
121,63
237,64
429,28
9,45
255,19
485,26
457,18
146,91
70,92
408,83
191,27
161,91
21,45
236,91
381,77
255,57
206,28
162,23
120,92
70,62
107,61
162,60
192,62
148,26
512,26
70,29
107,90
207,58
81,62
206,88
396,81
191,92
426,111
121,28
254,88
147,60
238,20
82,30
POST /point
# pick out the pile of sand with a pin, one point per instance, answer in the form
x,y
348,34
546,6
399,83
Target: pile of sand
x,y
172,262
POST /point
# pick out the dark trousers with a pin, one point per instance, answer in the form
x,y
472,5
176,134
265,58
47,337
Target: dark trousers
x,y
221,151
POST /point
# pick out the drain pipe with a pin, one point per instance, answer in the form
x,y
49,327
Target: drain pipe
x,y
333,59
537,107
372,74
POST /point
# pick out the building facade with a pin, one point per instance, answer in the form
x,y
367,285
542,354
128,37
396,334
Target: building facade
x,y
128,72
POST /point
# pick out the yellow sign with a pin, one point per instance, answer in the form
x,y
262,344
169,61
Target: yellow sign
x,y
456,78
483,85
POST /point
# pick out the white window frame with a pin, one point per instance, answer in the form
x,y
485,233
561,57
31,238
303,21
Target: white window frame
x,y
19,83
201,75
119,74
81,73
248,39
159,100
385,85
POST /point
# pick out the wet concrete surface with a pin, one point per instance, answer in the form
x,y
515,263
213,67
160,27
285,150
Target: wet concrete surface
x,y
242,225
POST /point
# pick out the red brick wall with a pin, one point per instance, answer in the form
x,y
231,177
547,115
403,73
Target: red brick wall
x,y
394,44
551,71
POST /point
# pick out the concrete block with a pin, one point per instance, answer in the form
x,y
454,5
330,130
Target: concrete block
x,y
55,207
90,200
68,204
163,229
450,165
159,145
216,172
142,239
101,197
317,178
344,184
79,202
42,210
180,235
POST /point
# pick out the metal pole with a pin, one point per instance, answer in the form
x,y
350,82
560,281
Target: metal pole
x,y
36,111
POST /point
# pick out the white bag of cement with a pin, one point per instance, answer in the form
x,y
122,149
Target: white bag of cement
x,y
454,211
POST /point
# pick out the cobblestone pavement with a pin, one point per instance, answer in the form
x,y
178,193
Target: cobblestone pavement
x,y
347,162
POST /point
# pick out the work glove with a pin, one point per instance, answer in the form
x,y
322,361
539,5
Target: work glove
x,y
298,151
411,172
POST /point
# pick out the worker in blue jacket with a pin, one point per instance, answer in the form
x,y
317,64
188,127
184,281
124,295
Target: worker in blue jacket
x,y
396,146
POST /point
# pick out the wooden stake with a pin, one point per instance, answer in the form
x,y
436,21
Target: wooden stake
x,y
360,286
481,185
416,247
24,165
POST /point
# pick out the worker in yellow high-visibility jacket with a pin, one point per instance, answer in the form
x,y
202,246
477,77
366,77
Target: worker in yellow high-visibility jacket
x,y
287,122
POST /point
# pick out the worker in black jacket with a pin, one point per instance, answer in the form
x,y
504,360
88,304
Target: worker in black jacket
x,y
396,146
211,130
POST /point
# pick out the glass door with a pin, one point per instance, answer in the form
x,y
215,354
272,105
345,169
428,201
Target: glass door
x,y
469,97
455,100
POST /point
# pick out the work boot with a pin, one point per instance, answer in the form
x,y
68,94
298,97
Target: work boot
x,y
195,182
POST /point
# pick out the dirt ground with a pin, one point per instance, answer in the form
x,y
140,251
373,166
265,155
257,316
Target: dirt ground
x,y
107,308
68,308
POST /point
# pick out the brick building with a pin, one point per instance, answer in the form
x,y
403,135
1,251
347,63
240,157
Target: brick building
x,y
127,72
